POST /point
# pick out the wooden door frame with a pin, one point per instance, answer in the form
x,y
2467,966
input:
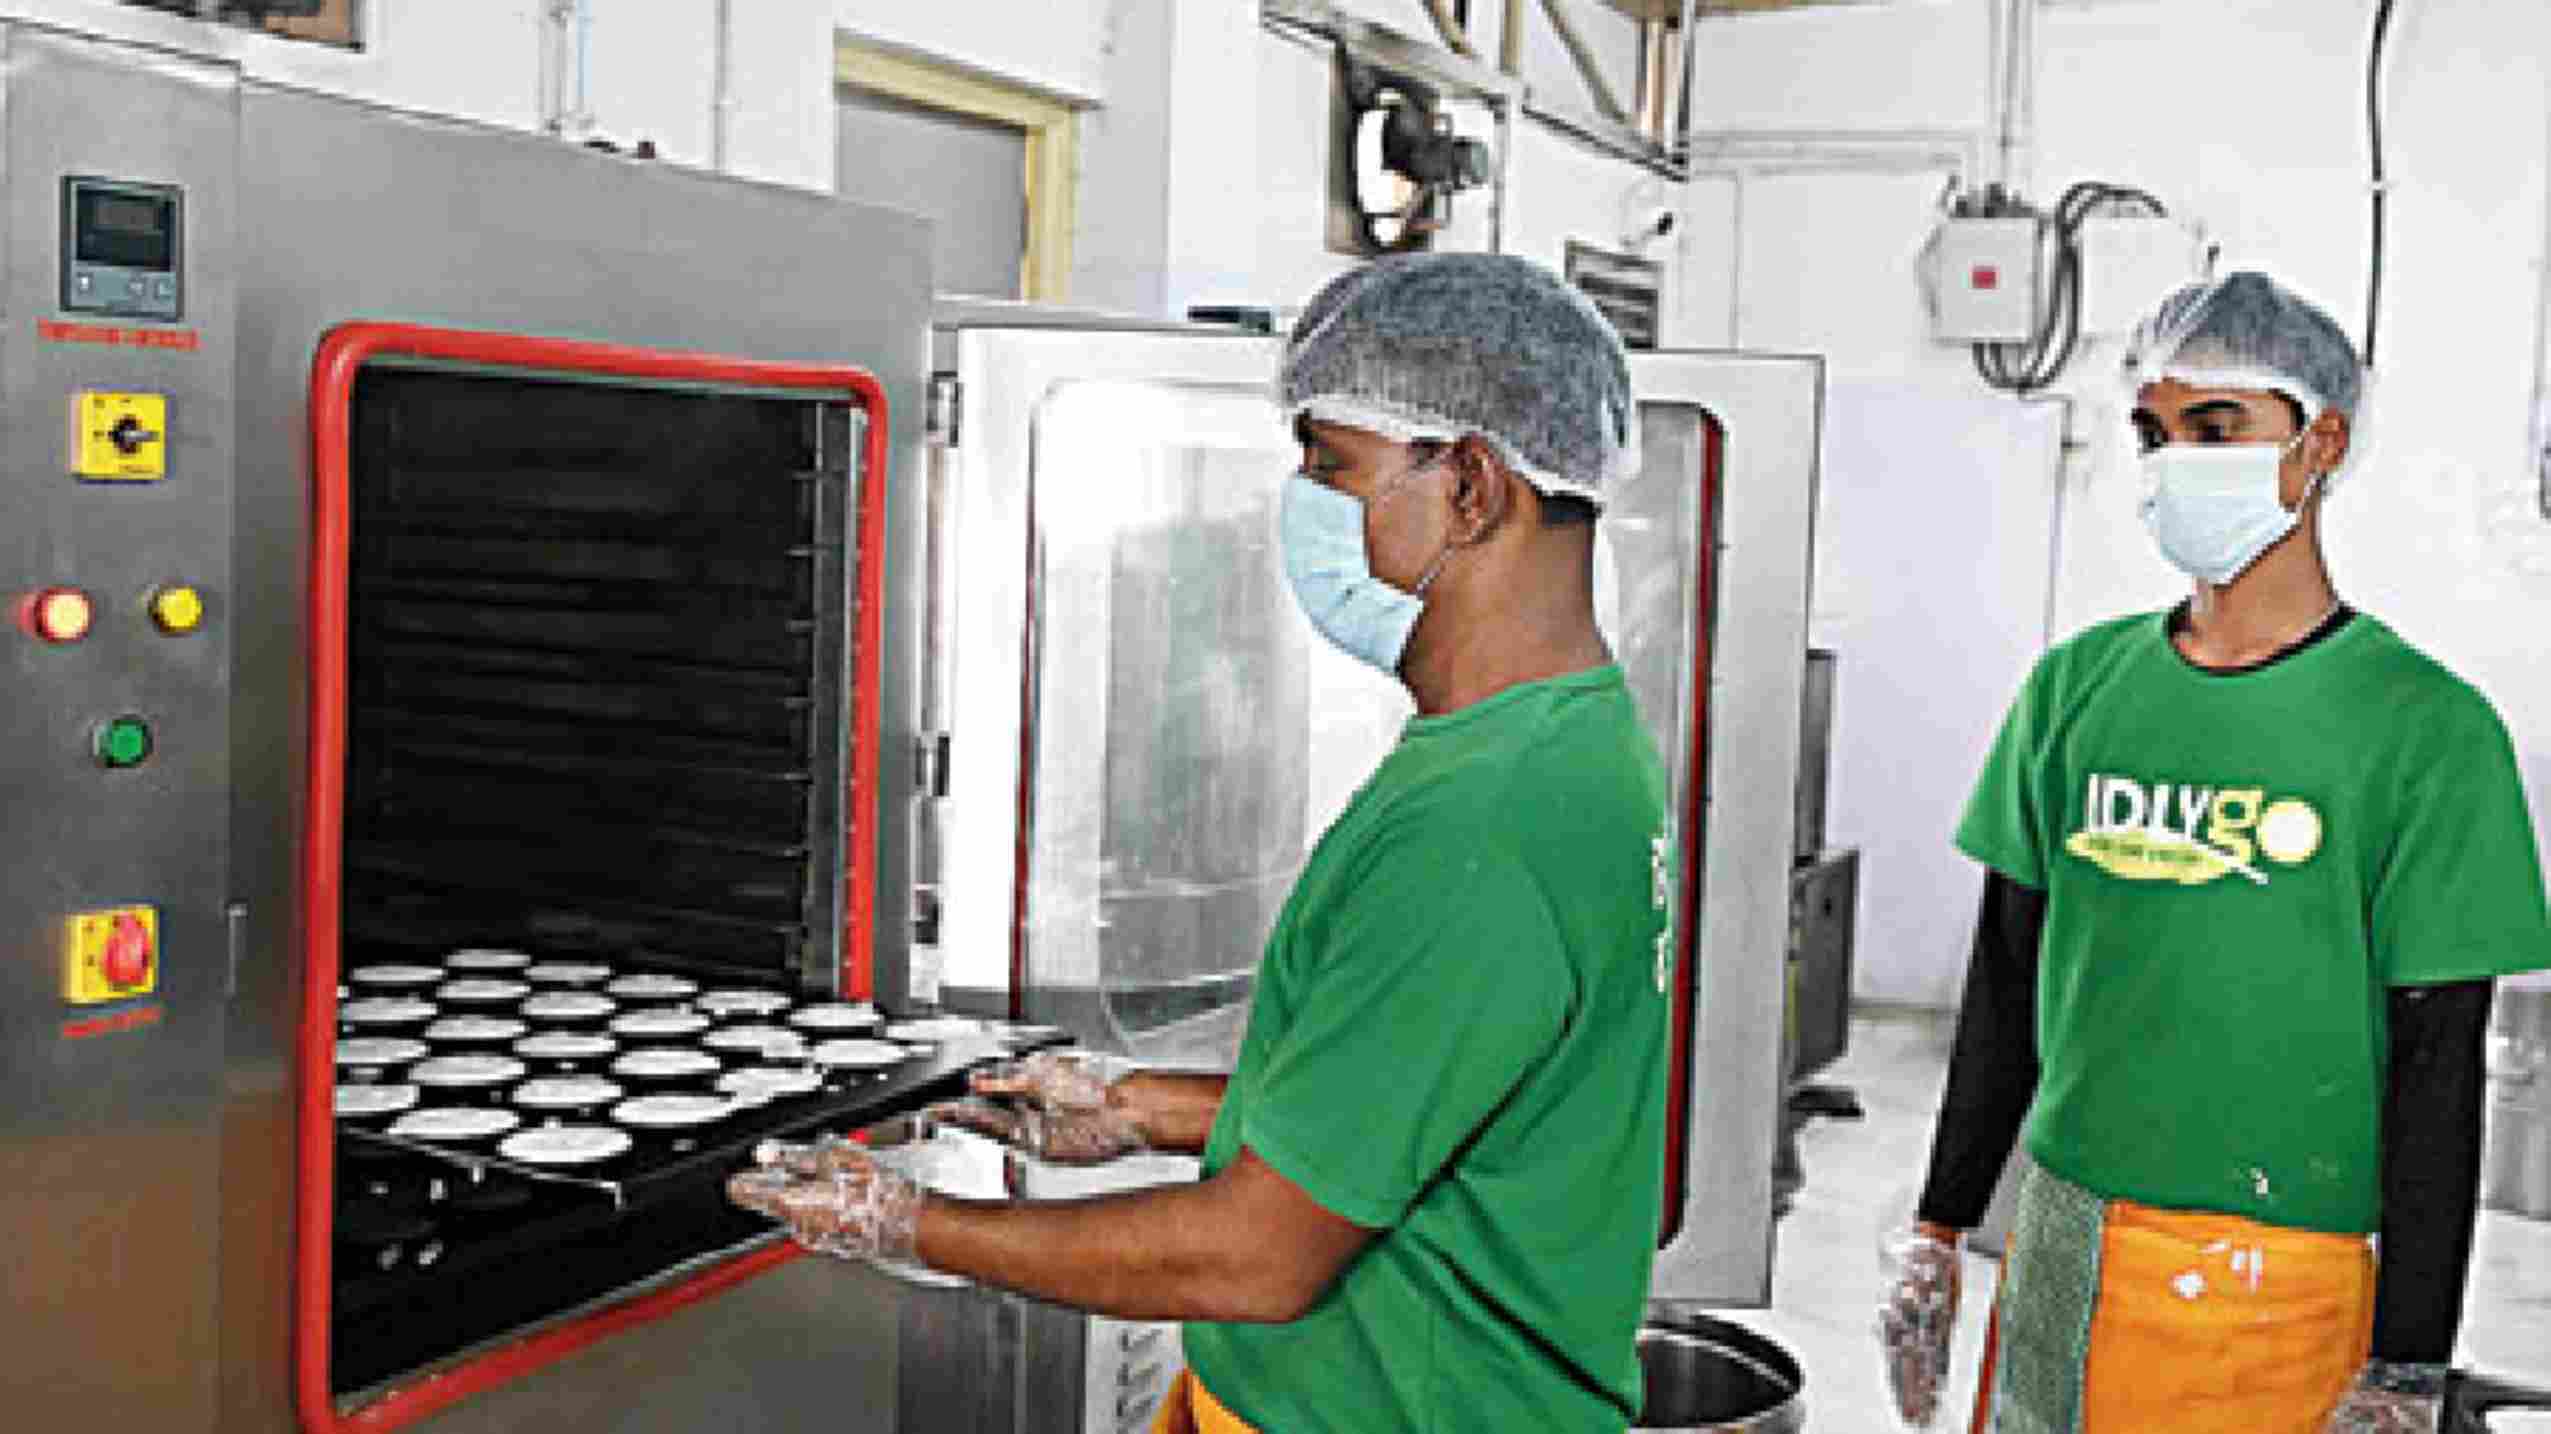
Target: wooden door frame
x,y
1051,126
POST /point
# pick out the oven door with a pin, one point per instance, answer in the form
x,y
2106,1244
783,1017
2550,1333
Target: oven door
x,y
1713,539
1145,736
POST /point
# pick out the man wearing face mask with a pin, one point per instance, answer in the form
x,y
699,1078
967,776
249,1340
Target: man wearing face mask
x,y
2253,864
1431,1185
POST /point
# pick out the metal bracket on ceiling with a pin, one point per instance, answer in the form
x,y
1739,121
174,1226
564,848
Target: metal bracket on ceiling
x,y
1505,93
1383,48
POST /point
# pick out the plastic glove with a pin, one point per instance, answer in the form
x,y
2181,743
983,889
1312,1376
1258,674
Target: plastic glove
x,y
1060,1113
1059,1137
835,1197
2391,1399
1917,1316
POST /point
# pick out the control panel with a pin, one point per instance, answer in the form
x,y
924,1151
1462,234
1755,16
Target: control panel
x,y
110,607
121,248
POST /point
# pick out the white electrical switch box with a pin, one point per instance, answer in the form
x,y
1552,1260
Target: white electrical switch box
x,y
1984,280
2129,265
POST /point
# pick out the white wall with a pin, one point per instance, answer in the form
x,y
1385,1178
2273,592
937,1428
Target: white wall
x,y
1918,66
649,68
1203,136
2246,115
1058,46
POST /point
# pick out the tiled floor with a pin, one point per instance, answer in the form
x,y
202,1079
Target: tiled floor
x,y
1825,1279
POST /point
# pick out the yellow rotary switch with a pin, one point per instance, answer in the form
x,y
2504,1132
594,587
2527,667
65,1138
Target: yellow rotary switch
x,y
119,437
177,609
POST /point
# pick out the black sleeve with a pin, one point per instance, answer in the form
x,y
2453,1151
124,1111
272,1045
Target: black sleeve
x,y
1993,1065
2431,1168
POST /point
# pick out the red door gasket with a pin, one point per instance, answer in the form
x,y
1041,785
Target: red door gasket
x,y
341,357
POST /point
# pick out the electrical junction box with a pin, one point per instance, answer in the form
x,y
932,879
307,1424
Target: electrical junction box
x,y
1984,280
2129,265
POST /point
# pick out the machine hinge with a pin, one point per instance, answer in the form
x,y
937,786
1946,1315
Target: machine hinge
x,y
946,402
930,764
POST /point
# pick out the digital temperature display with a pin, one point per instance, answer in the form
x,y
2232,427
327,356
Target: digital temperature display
x,y
123,247
130,231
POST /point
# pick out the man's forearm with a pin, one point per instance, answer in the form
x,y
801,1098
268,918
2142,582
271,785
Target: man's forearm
x,y
1136,1255
1211,1250
1174,1110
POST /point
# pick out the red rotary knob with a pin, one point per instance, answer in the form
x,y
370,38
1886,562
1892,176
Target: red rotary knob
x,y
128,952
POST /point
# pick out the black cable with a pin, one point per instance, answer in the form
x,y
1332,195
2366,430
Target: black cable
x,y
2025,366
2374,142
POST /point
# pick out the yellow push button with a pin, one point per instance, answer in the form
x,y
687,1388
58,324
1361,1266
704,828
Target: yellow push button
x,y
177,609
119,437
110,954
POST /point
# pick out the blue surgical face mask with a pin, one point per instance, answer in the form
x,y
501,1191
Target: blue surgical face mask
x,y
2214,508
1322,534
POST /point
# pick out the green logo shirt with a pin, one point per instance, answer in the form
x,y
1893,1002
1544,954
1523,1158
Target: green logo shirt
x,y
2236,867
1459,1040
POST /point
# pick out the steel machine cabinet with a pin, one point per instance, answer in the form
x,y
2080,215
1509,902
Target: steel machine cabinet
x,y
1825,897
172,541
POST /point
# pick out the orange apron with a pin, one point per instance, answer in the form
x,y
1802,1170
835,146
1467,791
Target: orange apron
x,y
1190,1408
2214,1324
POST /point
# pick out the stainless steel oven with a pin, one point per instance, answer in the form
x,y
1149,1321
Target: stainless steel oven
x,y
464,608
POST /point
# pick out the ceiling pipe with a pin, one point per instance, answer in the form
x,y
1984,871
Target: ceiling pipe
x,y
2014,82
722,87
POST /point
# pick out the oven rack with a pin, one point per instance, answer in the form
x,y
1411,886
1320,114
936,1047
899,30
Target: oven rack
x,y
571,1253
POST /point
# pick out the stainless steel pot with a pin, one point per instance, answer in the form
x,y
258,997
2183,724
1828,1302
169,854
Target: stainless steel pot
x,y
1705,1376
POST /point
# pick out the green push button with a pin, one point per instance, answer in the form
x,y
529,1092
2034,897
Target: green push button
x,y
124,742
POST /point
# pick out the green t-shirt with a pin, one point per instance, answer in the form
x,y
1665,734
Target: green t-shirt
x,y
2237,867
1459,1041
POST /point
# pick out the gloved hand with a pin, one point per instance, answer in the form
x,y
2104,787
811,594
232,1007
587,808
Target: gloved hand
x,y
1061,1108
835,1197
1917,1316
2391,1399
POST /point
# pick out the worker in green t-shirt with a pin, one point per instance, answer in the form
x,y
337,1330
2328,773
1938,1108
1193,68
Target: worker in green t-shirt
x,y
1431,1184
2252,866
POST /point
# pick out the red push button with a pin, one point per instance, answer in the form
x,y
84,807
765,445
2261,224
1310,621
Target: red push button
x,y
127,960
58,614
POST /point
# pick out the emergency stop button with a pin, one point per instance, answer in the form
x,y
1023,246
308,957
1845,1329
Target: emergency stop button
x,y
110,954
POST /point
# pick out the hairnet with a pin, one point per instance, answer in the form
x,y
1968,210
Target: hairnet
x,y
1437,346
2247,331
